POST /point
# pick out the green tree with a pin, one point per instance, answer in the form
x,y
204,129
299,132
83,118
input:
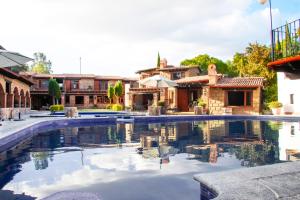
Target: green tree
x,y
110,93
40,64
254,63
158,60
118,90
204,60
54,90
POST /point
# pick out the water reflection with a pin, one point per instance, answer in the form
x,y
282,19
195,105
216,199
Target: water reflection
x,y
79,158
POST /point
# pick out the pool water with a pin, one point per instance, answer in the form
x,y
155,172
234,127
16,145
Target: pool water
x,y
141,161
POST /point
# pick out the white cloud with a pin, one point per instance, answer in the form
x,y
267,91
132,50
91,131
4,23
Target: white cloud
x,y
118,37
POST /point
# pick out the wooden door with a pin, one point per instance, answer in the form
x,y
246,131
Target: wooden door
x,y
183,100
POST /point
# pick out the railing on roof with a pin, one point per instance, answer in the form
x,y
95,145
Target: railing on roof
x,y
286,40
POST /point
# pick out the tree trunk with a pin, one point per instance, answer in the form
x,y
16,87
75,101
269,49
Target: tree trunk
x,y
53,100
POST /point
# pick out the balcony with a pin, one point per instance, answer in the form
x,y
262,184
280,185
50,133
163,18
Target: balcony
x,y
286,47
286,40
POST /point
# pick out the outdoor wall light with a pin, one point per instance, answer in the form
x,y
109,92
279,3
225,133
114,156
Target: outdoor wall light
x,y
262,1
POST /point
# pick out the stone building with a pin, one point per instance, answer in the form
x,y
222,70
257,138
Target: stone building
x,y
80,90
238,95
14,94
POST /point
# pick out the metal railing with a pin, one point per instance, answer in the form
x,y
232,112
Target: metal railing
x,y
286,40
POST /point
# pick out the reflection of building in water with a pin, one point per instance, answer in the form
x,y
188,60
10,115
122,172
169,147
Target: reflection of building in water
x,y
289,141
11,160
246,139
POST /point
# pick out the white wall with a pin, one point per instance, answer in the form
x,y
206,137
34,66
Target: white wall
x,y
286,86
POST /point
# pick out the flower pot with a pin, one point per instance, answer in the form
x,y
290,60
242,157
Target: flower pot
x,y
276,111
198,110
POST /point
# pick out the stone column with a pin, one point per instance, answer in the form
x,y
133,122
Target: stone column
x,y
155,99
86,101
95,100
62,99
72,100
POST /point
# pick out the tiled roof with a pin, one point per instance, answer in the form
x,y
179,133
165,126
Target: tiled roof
x,y
90,76
181,68
193,79
240,82
7,72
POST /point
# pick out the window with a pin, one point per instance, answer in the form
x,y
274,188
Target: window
x,y
75,84
67,100
176,75
103,85
239,98
79,100
44,84
91,99
291,98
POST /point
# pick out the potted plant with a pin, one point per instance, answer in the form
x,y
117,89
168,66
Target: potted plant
x,y
275,106
162,107
199,109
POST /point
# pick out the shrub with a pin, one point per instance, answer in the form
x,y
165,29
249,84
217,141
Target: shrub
x,y
201,103
161,103
117,107
109,107
275,104
55,108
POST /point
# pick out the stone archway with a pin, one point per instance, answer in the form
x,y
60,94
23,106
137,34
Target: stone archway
x,y
2,97
16,98
22,97
28,102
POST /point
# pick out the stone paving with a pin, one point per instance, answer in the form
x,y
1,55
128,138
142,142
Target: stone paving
x,y
278,181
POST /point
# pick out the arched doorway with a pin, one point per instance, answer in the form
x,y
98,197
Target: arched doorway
x,y
22,95
16,98
27,100
2,97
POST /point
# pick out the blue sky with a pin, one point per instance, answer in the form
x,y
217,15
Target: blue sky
x,y
120,37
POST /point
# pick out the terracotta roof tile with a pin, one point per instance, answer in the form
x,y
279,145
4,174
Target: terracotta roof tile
x,y
240,82
193,79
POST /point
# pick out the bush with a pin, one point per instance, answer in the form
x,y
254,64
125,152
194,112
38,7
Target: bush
x,y
201,103
55,108
161,103
275,104
117,107
108,107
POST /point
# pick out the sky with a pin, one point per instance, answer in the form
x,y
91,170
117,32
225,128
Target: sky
x,y
119,37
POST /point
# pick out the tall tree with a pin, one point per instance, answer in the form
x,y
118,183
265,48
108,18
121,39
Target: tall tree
x,y
54,90
40,64
158,60
204,60
118,90
110,93
253,62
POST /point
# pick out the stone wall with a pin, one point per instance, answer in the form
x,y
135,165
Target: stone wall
x,y
217,99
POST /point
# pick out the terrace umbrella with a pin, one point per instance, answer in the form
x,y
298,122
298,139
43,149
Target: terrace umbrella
x,y
12,59
158,81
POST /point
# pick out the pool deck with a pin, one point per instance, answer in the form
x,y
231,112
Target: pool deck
x,y
278,181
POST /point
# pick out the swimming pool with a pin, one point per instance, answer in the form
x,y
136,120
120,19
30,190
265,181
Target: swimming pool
x,y
142,160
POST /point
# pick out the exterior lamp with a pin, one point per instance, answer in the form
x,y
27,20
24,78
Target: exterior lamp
x,y
271,24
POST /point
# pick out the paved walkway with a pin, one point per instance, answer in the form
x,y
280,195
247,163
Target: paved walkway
x,y
278,181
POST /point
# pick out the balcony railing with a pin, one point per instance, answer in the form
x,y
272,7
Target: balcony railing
x,y
286,40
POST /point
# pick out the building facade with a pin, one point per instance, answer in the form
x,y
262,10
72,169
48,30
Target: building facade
x,y
14,94
79,90
286,63
239,95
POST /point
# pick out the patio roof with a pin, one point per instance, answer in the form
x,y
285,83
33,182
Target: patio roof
x,y
14,75
239,82
290,64
144,90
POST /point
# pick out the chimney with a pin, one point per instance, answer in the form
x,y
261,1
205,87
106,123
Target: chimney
x,y
163,63
212,74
